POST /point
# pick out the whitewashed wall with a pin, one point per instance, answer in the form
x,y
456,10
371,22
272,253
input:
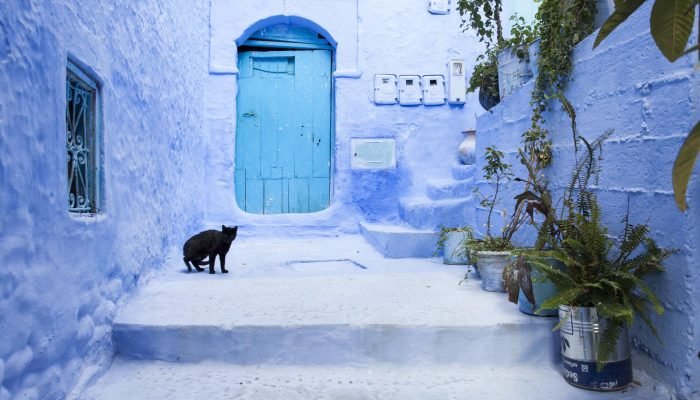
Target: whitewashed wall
x,y
371,38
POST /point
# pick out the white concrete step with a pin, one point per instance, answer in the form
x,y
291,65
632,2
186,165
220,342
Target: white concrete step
x,y
397,241
327,301
154,380
405,318
462,172
439,189
425,213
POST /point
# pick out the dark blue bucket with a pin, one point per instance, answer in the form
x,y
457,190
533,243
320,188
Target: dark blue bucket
x,y
580,338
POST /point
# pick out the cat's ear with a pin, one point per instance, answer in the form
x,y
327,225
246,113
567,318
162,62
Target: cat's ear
x,y
235,229
223,228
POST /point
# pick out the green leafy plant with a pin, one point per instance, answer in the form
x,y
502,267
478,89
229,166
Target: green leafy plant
x,y
517,275
484,17
497,172
521,37
444,234
597,273
671,24
485,74
562,24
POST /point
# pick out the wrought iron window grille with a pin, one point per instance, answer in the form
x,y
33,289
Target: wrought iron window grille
x,y
82,142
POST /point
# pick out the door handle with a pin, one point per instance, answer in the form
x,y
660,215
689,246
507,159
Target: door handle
x,y
249,114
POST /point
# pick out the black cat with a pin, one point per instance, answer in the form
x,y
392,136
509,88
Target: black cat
x,y
209,244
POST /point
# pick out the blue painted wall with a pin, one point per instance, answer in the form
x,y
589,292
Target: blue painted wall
x,y
63,278
628,86
370,38
170,155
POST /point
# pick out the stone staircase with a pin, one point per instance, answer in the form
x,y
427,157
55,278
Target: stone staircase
x,y
447,202
331,318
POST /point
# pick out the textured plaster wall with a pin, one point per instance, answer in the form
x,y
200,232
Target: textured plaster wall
x,y
62,277
651,104
371,38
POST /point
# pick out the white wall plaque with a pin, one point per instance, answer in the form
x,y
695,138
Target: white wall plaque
x,y
373,153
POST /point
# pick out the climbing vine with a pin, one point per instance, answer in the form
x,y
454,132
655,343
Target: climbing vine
x,y
562,24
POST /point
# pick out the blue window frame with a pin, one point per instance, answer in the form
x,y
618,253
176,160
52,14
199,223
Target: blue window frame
x,y
82,141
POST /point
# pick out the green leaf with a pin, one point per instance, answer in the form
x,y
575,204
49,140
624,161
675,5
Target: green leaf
x,y
683,166
623,9
671,25
608,342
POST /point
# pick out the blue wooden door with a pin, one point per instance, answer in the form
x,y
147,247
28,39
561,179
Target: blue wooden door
x,y
283,135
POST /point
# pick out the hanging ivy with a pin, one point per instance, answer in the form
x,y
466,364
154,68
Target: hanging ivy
x,y
563,23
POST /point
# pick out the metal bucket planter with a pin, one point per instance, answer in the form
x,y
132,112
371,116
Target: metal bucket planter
x,y
490,265
580,338
454,251
513,71
542,289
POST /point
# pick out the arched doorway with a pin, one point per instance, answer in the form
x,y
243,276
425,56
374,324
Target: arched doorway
x,y
283,135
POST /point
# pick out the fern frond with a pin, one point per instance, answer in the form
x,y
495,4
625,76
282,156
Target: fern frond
x,y
633,237
651,297
616,311
608,342
567,296
615,286
560,279
639,305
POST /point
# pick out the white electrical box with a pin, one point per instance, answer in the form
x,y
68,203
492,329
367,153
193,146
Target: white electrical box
x,y
385,91
433,90
373,153
410,93
439,6
457,89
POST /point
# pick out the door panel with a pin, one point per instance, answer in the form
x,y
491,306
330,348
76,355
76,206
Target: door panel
x,y
283,136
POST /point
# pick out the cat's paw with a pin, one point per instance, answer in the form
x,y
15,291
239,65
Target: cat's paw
x,y
200,269
212,272
224,271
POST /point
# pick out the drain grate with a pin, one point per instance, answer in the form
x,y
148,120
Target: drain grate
x,y
326,265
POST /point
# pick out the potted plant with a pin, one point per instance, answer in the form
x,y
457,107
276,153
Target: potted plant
x,y
503,66
513,57
453,244
485,79
492,252
484,17
525,286
600,288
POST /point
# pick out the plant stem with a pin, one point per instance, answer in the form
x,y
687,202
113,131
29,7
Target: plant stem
x,y
497,18
493,204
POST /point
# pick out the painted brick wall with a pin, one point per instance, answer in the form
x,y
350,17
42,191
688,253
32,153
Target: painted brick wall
x,y
62,278
626,85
